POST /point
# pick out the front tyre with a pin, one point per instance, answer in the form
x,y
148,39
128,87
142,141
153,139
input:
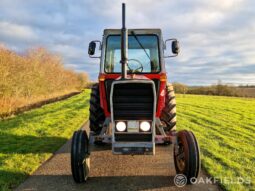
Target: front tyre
x,y
186,155
80,163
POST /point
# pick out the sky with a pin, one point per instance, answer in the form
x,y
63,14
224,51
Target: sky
x,y
217,38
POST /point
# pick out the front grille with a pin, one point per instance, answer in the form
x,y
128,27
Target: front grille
x,y
108,84
133,101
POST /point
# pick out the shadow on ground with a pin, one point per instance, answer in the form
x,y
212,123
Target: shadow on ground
x,y
65,182
5,176
22,144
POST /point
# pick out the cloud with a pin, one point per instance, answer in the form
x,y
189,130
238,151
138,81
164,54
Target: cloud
x,y
217,38
16,32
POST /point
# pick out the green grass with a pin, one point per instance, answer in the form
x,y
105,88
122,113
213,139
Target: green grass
x,y
225,129
29,139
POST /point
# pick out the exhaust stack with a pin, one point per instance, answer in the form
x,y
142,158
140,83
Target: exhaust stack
x,y
124,44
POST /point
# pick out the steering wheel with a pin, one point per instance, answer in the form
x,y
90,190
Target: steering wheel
x,y
139,69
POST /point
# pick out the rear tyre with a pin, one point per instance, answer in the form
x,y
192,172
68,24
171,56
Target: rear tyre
x,y
96,116
80,163
168,114
186,155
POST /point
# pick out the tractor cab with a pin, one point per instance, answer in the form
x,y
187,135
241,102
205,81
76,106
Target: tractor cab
x,y
144,50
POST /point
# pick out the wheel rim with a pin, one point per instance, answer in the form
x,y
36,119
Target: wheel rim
x,y
180,157
86,167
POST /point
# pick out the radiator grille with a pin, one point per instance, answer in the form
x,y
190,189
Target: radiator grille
x,y
108,84
133,101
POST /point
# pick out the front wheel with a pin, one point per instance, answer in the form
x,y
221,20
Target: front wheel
x,y
80,162
186,155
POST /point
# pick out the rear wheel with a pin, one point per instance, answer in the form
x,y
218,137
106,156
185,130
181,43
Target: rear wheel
x,y
80,163
96,116
168,114
186,155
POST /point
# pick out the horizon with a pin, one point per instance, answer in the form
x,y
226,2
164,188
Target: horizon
x,y
217,40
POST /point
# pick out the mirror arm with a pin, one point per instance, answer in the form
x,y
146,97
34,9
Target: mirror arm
x,y
94,56
170,39
100,44
171,56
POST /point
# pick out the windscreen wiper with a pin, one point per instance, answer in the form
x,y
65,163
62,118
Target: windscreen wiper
x,y
140,44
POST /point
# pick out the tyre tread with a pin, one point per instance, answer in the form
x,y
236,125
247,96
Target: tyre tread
x,y
168,114
96,116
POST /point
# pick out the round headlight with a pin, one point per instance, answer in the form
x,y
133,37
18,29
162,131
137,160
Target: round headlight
x,y
145,126
121,126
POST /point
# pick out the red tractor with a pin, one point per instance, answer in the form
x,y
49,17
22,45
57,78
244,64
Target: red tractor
x,y
133,107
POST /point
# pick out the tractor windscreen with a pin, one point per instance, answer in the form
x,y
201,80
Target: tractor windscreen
x,y
143,54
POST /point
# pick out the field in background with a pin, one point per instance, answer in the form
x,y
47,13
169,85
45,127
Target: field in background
x,y
225,128
34,76
30,138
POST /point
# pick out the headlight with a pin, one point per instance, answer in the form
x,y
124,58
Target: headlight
x,y
121,126
145,126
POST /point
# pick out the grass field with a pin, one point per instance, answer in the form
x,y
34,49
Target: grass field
x,y
30,138
225,128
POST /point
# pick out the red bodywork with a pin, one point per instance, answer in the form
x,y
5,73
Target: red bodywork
x,y
161,93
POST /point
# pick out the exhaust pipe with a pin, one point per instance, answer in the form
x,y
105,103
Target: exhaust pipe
x,y
124,44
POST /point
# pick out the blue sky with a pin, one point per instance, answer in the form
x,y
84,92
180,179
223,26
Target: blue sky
x,y
217,38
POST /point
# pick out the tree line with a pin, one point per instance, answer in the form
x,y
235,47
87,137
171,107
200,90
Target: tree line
x,y
34,75
218,89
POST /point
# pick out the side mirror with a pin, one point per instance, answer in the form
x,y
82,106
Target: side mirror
x,y
175,47
92,48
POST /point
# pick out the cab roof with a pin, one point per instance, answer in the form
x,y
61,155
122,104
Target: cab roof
x,y
137,31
